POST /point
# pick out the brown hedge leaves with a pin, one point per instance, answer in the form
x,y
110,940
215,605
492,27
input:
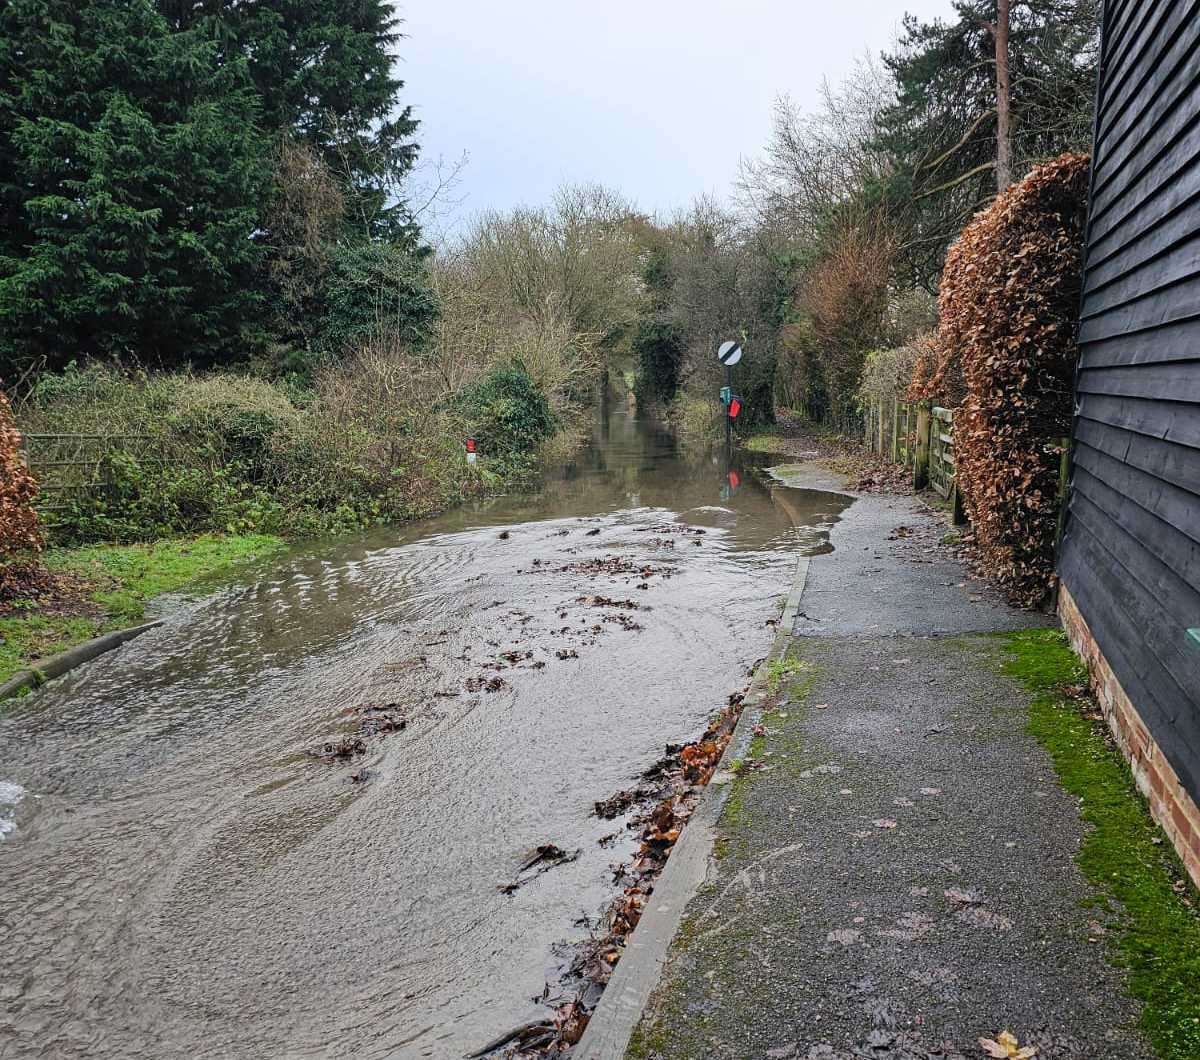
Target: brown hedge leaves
x,y
19,531
1005,360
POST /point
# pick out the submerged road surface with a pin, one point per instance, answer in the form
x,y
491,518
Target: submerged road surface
x,y
180,873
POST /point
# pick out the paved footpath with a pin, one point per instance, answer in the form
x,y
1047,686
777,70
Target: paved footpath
x,y
896,881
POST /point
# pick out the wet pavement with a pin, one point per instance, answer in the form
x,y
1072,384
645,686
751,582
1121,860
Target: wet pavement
x,y
894,876
283,824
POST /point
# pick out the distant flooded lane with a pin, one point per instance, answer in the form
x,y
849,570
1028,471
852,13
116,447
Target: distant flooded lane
x,y
183,876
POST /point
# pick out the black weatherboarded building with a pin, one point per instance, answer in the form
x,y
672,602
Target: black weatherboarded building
x,y
1130,558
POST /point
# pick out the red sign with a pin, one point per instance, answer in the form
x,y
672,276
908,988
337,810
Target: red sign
x,y
735,406
470,445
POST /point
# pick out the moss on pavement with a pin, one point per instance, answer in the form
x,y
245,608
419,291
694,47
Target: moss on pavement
x,y
1124,855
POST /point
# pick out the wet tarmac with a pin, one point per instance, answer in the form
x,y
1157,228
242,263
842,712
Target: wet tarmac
x,y
282,824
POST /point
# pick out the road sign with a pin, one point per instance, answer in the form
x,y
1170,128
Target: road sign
x,y
729,353
735,406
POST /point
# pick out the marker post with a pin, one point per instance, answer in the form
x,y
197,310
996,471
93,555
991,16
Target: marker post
x,y
729,353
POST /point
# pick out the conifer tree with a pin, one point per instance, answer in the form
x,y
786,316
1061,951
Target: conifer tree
x,y
132,174
324,72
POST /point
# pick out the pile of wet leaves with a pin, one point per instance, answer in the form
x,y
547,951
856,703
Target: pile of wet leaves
x,y
666,529
369,721
658,807
604,601
614,566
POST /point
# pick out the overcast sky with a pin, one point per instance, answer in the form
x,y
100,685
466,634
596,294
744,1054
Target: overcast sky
x,y
658,98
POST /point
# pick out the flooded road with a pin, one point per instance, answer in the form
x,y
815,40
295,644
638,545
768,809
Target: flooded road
x,y
181,876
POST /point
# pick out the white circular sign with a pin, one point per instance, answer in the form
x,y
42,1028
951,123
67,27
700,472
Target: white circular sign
x,y
729,353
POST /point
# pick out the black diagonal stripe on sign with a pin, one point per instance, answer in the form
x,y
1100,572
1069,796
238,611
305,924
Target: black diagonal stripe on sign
x,y
729,354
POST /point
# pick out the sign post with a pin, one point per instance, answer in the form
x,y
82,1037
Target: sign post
x,y
729,353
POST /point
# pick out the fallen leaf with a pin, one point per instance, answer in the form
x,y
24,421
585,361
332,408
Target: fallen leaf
x,y
1005,1047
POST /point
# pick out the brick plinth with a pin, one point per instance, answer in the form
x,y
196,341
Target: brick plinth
x,y
1170,803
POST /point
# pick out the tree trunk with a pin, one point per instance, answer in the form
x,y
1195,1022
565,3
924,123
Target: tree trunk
x,y
1003,94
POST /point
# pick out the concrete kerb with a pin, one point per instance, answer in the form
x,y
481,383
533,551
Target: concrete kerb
x,y
637,974
57,665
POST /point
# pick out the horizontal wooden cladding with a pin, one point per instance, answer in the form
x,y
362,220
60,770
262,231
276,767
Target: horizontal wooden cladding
x,y
1175,341
1151,592
1158,204
1125,31
1171,513
1131,548
1173,381
1176,423
1150,84
1171,601
1169,151
1128,626
1174,466
1159,267
1151,309
1156,228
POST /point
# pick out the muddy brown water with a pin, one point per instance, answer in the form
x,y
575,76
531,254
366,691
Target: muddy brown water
x,y
180,877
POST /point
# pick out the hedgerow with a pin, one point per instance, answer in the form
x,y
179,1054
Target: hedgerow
x,y
20,534
1008,309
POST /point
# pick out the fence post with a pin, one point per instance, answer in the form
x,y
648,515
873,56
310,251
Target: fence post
x,y
921,447
895,430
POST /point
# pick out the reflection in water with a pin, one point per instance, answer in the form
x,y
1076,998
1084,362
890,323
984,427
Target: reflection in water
x,y
183,878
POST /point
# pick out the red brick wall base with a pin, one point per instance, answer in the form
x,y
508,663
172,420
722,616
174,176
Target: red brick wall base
x,y
1170,804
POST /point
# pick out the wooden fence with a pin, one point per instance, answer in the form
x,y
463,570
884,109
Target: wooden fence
x,y
71,467
921,437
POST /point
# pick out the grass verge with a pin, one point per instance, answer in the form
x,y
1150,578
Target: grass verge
x,y
118,580
1156,937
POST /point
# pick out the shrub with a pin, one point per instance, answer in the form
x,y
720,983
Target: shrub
x,y
373,289
846,301
659,347
509,415
888,374
19,530
1009,304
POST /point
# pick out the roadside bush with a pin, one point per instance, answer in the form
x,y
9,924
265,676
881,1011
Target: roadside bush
x,y
373,289
844,309
1009,303
20,533
659,347
508,415
379,438
888,374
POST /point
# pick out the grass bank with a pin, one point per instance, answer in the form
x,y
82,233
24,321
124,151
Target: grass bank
x,y
1154,909
104,587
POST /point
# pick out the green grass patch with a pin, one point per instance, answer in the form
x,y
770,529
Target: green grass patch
x,y
126,578
138,573
763,441
1157,932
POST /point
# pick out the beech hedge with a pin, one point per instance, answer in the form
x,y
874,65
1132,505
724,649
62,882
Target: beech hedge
x,y
1004,358
19,530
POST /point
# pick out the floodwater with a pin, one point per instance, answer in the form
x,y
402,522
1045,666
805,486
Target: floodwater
x,y
179,876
